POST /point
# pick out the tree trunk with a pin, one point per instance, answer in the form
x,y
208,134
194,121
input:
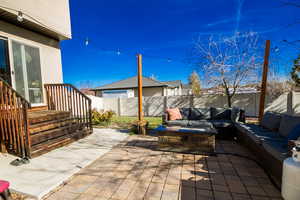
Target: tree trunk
x,y
229,101
228,98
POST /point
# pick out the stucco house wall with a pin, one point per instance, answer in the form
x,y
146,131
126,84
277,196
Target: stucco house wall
x,y
55,14
172,91
50,53
150,92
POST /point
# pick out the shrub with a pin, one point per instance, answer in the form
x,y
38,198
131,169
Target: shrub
x,y
102,117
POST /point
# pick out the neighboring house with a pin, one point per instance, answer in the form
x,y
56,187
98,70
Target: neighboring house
x,y
87,91
187,89
174,88
241,90
128,88
38,113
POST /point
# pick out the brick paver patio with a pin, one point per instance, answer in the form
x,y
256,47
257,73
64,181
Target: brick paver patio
x,y
133,170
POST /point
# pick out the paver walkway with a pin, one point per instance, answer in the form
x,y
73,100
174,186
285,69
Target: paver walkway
x,y
133,170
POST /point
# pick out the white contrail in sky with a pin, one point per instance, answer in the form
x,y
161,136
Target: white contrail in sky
x,y
238,14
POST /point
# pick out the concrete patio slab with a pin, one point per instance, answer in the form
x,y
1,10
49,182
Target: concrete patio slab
x,y
50,170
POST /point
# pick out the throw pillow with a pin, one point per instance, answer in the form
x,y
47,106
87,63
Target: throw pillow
x,y
271,121
174,114
221,113
287,124
295,133
185,113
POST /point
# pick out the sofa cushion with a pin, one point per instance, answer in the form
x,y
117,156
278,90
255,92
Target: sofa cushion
x,y
222,123
287,124
235,114
199,123
185,113
257,133
199,113
220,113
271,121
174,114
277,149
177,123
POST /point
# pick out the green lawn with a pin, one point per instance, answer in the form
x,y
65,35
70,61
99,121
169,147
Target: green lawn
x,y
125,122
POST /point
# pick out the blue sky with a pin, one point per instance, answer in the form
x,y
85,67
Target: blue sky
x,y
164,31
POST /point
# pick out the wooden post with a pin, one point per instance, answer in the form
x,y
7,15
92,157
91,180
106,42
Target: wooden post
x,y
264,81
140,87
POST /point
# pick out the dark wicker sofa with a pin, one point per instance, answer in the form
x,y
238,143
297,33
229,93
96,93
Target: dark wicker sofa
x,y
223,119
270,140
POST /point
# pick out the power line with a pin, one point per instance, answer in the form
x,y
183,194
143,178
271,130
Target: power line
x,y
288,3
292,43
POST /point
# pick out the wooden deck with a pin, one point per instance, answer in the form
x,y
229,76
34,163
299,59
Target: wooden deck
x,y
51,129
29,132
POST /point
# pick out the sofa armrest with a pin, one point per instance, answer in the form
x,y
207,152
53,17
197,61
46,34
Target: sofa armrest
x,y
165,118
291,145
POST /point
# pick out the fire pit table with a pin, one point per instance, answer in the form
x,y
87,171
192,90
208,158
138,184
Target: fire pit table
x,y
185,139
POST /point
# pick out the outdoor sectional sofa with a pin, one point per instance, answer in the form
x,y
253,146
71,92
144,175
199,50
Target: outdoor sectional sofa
x,y
272,140
223,119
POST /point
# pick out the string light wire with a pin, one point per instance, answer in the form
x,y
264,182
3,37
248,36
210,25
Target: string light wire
x,y
21,14
20,18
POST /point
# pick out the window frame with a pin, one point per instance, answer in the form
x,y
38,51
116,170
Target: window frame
x,y
12,67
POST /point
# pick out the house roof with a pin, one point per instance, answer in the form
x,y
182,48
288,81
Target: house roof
x,y
186,86
87,91
176,83
131,83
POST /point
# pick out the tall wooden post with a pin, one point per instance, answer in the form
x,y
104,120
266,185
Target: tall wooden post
x,y
140,86
264,81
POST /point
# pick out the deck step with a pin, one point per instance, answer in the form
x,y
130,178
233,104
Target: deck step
x,y
52,134
50,145
48,125
53,129
43,116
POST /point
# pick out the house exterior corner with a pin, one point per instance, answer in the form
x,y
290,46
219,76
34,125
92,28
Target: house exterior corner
x,y
30,48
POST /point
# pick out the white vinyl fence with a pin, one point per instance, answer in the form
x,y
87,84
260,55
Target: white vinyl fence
x,y
155,106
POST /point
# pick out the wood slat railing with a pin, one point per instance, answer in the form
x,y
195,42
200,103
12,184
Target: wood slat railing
x,y
65,97
14,130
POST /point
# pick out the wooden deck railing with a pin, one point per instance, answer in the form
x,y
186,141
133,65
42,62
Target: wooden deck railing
x,y
65,97
14,132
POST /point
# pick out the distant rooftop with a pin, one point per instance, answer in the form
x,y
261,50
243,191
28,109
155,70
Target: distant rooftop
x,y
186,86
132,83
175,83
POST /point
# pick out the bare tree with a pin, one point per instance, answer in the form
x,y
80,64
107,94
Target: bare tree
x,y
194,82
278,82
230,62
